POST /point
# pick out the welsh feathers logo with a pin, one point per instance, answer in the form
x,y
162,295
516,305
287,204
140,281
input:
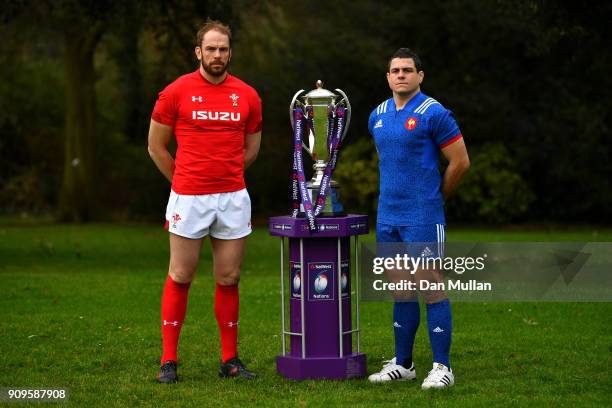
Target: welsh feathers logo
x,y
320,282
175,218
411,123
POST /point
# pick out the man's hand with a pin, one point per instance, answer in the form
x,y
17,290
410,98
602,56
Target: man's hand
x,y
159,138
251,148
458,164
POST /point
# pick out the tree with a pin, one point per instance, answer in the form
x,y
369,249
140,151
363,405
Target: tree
x,y
77,199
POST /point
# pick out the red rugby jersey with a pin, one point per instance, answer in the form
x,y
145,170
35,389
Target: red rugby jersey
x,y
210,124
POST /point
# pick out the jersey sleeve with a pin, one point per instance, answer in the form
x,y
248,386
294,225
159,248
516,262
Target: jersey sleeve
x,y
166,106
371,122
444,128
254,121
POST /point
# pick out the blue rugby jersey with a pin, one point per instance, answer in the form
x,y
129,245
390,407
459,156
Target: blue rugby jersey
x,y
409,143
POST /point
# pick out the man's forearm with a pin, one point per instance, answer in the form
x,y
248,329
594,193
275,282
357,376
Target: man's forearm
x,y
251,148
452,177
249,157
164,162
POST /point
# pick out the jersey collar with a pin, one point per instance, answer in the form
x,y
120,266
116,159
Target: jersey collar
x,y
225,80
410,104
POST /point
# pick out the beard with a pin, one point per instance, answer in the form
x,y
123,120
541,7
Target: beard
x,y
215,69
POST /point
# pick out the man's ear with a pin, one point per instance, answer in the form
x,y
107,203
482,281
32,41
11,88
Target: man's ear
x,y
198,53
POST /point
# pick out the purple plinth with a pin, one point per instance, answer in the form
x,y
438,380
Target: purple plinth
x,y
322,357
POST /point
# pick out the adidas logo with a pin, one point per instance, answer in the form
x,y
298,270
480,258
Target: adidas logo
x,y
396,324
378,124
438,330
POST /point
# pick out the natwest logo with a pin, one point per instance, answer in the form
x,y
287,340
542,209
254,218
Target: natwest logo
x,y
209,115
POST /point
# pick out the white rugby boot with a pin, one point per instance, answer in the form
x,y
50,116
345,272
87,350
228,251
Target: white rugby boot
x,y
439,377
393,372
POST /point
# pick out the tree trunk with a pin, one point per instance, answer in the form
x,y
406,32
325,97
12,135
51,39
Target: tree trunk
x,y
77,198
136,110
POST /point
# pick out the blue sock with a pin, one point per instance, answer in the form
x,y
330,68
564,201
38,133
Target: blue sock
x,y
406,318
440,328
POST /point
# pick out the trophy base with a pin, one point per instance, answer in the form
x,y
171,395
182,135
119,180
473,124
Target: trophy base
x,y
333,207
322,368
325,214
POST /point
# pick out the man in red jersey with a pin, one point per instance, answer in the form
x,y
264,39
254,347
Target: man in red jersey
x,y
216,119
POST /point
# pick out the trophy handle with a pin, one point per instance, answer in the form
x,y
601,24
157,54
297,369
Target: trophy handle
x,y
294,100
348,111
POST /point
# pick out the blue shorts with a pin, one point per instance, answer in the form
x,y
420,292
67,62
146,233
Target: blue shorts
x,y
429,237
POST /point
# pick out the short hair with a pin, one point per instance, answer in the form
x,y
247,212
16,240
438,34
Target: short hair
x,y
213,25
406,53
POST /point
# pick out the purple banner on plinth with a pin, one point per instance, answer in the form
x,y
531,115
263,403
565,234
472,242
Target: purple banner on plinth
x,y
321,307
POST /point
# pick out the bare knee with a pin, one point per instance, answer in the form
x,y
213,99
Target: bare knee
x,y
433,296
181,274
227,277
184,256
405,296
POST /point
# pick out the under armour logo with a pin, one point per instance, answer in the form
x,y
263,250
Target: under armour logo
x,y
196,98
173,323
234,98
232,324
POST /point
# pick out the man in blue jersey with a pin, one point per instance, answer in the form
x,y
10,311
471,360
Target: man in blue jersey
x,y
410,130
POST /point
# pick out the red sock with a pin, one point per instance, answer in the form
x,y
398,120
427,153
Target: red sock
x,y
226,312
174,307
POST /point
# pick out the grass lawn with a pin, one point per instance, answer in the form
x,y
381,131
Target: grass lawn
x,y
80,309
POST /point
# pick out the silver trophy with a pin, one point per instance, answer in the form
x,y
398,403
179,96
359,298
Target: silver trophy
x,y
323,104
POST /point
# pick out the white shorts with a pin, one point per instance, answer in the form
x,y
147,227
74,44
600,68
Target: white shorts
x,y
223,215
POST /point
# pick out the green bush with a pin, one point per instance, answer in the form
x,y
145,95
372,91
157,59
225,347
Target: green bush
x,y
492,190
357,173
21,194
